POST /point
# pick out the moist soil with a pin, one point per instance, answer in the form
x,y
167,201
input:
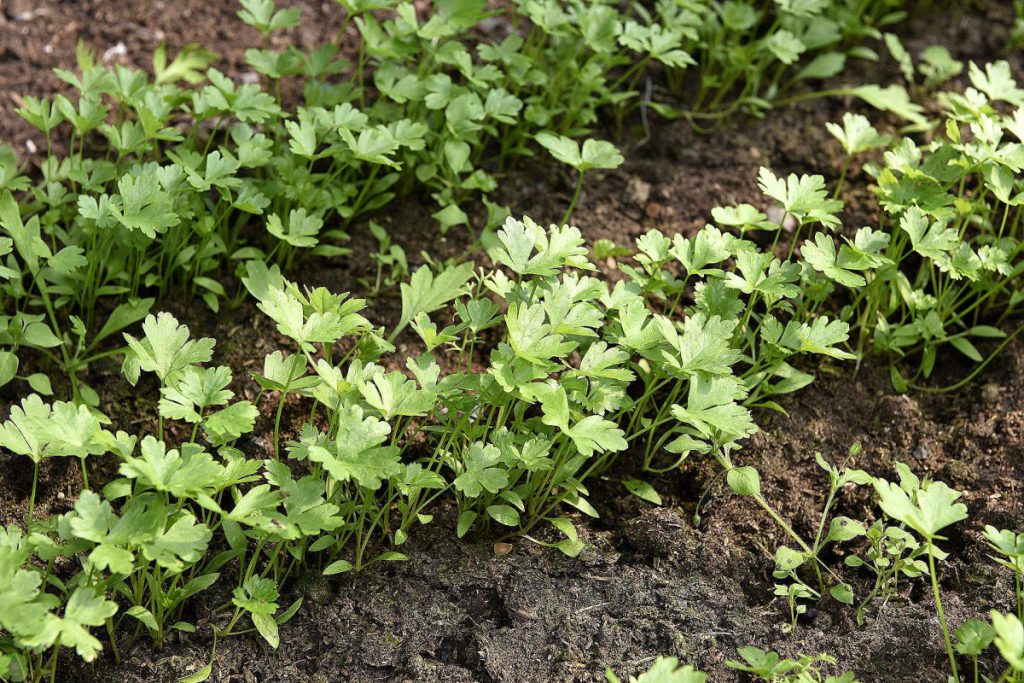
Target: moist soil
x,y
676,579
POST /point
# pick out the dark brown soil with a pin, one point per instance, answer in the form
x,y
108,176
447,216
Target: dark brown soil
x,y
651,581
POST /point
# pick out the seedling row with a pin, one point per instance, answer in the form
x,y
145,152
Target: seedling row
x,y
539,364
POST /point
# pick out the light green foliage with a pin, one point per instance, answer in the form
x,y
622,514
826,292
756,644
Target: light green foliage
x,y
664,670
537,373
593,153
857,135
927,510
1009,639
769,666
165,349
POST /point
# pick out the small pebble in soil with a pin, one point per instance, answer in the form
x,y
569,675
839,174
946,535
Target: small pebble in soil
x,y
21,10
921,452
638,191
990,392
119,50
501,549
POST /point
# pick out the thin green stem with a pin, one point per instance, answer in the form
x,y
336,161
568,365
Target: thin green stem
x,y
938,608
575,198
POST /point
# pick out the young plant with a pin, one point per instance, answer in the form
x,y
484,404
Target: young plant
x,y
664,670
972,638
1009,549
892,553
1009,640
592,154
31,615
770,667
41,430
926,507
788,561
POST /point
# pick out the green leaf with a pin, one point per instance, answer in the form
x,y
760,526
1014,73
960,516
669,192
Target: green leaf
x,y
180,545
374,145
665,670
39,430
531,337
599,154
40,383
85,608
857,134
930,239
305,505
997,82
480,472
392,394
504,514
228,424
425,293
596,434
974,636
786,47
39,335
185,473
562,148
144,205
391,556
744,481
844,529
165,349
892,98
200,676
928,511
304,322
824,65
126,313
338,567
143,615
258,595
267,628
357,455
188,65
448,217
708,247
1009,639
964,346
712,408
193,390
843,592
805,197
8,367
302,229
821,255
465,523
557,248
261,15
594,153
641,489
282,372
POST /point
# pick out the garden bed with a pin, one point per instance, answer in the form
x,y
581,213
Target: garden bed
x,y
652,580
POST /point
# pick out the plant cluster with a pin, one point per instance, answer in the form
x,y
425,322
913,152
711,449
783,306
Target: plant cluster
x,y
747,56
167,182
537,374
901,544
510,439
